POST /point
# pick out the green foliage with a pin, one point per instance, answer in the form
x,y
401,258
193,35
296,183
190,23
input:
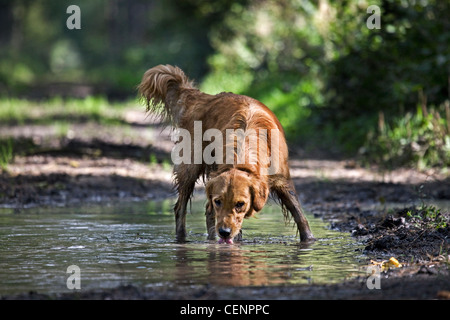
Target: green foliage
x,y
271,51
117,42
6,153
324,73
387,69
428,217
421,140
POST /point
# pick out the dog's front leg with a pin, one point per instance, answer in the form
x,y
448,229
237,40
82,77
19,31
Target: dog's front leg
x,y
210,221
185,177
238,237
180,217
289,199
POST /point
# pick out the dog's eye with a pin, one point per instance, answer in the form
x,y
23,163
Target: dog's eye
x,y
239,204
217,202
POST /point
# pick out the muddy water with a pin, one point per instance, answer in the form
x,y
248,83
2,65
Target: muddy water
x,y
134,243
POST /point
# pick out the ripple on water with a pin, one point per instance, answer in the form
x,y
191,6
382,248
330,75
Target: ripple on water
x,y
134,243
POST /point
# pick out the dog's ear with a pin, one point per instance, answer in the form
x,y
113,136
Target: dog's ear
x,y
209,189
260,192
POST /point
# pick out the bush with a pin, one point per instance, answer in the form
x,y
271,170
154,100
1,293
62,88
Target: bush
x,y
421,139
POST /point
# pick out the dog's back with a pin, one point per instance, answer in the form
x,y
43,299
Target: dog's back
x,y
168,92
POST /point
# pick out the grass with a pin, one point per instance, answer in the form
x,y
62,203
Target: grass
x,y
58,114
427,217
6,153
98,109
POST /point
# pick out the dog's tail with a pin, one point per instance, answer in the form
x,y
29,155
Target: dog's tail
x,y
161,87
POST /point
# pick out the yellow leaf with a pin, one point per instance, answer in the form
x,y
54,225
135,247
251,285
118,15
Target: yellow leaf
x,y
394,262
74,164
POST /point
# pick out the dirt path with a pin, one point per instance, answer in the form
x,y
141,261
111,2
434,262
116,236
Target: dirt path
x,y
88,163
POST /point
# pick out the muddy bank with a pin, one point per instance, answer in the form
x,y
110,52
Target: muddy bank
x,y
416,286
66,181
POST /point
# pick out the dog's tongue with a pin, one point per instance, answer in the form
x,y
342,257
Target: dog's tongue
x,y
229,241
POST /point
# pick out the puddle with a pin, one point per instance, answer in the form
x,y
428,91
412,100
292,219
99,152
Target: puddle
x,y
134,243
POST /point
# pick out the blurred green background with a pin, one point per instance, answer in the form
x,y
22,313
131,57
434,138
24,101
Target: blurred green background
x,y
381,94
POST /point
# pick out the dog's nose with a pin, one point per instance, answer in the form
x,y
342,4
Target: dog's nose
x,y
224,232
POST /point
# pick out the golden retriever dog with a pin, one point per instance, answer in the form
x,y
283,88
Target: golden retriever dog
x,y
235,143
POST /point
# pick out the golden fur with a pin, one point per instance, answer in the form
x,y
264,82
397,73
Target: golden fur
x,y
234,190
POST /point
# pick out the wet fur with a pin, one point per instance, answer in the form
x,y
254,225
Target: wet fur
x,y
168,92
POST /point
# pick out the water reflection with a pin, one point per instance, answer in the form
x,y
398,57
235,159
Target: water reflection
x,y
238,265
135,243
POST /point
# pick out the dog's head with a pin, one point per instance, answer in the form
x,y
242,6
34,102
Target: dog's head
x,y
235,195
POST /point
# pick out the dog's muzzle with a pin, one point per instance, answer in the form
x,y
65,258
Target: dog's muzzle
x,y
225,235
224,232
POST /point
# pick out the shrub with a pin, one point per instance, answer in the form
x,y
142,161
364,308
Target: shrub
x,y
421,139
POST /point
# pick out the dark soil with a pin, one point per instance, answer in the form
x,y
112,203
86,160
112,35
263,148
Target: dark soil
x,y
86,169
413,232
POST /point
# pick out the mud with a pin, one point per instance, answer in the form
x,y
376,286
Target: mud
x,y
80,169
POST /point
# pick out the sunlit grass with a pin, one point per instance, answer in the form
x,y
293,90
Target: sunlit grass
x,y
6,154
98,109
